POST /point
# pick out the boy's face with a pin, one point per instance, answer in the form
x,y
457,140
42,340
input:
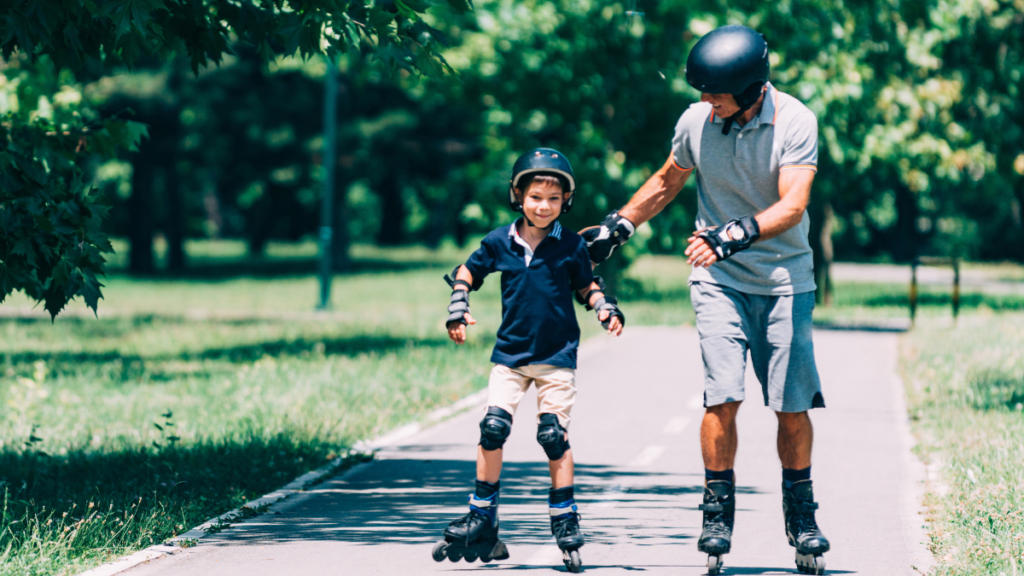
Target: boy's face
x,y
542,203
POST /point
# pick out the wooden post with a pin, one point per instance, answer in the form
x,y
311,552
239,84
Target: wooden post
x,y
913,290
956,288
330,161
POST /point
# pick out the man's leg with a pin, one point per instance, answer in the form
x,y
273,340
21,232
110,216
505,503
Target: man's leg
x,y
718,437
796,435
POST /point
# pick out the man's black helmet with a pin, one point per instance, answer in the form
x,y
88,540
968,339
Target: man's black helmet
x,y
730,60
542,161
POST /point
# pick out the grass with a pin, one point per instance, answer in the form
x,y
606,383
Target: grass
x,y
966,391
189,396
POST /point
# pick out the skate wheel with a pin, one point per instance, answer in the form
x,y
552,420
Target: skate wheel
x,y
470,556
440,551
454,555
807,564
714,565
572,560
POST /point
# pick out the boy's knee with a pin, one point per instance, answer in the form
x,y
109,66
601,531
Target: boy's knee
x,y
551,437
495,428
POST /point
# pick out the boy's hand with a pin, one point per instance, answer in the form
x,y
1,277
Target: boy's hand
x,y
457,330
615,326
609,315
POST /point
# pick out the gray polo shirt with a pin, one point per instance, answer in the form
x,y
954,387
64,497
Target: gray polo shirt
x,y
738,175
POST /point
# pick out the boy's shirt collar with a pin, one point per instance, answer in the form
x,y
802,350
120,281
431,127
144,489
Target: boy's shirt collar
x,y
556,230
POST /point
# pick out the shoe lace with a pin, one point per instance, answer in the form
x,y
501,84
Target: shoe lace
x,y
568,525
471,517
717,524
804,523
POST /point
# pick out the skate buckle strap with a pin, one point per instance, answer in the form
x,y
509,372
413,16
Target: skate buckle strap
x,y
803,507
480,502
561,509
729,506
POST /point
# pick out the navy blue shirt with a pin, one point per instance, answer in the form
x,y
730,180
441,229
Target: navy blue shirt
x,y
538,322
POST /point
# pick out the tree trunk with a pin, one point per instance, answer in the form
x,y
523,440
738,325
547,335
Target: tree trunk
x,y
174,227
339,239
140,211
905,237
393,212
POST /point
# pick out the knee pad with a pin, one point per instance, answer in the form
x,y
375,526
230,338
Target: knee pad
x,y
551,436
495,428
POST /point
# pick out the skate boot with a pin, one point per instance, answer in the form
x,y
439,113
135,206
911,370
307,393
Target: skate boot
x,y
719,510
798,506
473,536
565,526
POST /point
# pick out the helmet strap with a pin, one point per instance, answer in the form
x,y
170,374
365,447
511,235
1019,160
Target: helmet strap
x,y
746,101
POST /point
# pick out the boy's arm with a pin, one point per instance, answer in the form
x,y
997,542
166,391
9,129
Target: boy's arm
x,y
458,310
608,312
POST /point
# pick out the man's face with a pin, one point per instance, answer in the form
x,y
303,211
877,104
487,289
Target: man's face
x,y
724,104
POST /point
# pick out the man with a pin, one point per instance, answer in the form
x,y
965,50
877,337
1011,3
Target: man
x,y
754,152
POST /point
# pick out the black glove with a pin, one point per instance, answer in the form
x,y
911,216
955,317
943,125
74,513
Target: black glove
x,y
459,306
604,239
736,236
610,304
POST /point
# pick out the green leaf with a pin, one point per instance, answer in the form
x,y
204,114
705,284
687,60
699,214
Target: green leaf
x,y
461,6
427,64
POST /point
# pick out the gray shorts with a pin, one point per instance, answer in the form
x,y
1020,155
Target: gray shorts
x,y
776,330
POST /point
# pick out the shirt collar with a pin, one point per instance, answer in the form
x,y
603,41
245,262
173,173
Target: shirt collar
x,y
769,110
556,230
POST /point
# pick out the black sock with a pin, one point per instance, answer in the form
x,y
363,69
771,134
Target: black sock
x,y
723,475
791,476
485,490
559,495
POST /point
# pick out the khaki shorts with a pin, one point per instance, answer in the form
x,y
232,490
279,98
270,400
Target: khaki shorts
x,y
556,389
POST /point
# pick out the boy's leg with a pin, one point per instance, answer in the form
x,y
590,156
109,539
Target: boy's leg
x,y
506,388
556,395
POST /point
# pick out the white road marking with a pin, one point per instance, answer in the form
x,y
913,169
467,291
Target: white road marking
x,y
677,425
649,454
696,402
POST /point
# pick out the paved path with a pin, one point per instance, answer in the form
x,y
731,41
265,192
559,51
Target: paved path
x,y
639,480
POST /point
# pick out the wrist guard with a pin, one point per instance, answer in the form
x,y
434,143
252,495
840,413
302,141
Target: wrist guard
x,y
459,306
477,283
610,304
737,235
604,239
584,299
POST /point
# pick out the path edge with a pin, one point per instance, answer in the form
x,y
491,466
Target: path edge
x,y
352,462
914,488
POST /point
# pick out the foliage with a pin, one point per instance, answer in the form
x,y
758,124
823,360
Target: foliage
x,y
72,33
966,386
52,235
52,241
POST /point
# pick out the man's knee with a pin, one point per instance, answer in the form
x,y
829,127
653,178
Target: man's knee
x,y
724,412
495,428
793,420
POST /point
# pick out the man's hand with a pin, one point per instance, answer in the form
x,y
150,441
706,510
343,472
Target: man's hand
x,y
699,253
457,330
604,239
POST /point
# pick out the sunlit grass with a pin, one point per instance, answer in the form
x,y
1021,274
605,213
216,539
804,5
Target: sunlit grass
x,y
190,395
966,390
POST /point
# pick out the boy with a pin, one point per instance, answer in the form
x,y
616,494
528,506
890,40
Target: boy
x,y
542,267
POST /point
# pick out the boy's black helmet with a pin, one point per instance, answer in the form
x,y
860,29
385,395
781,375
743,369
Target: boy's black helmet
x,y
542,161
730,60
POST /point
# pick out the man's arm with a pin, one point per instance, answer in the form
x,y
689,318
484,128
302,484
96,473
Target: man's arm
x,y
650,199
660,189
794,195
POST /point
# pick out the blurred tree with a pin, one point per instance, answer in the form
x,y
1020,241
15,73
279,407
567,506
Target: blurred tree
x,y
74,34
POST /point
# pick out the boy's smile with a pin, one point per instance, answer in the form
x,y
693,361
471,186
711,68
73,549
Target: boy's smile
x,y
542,204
